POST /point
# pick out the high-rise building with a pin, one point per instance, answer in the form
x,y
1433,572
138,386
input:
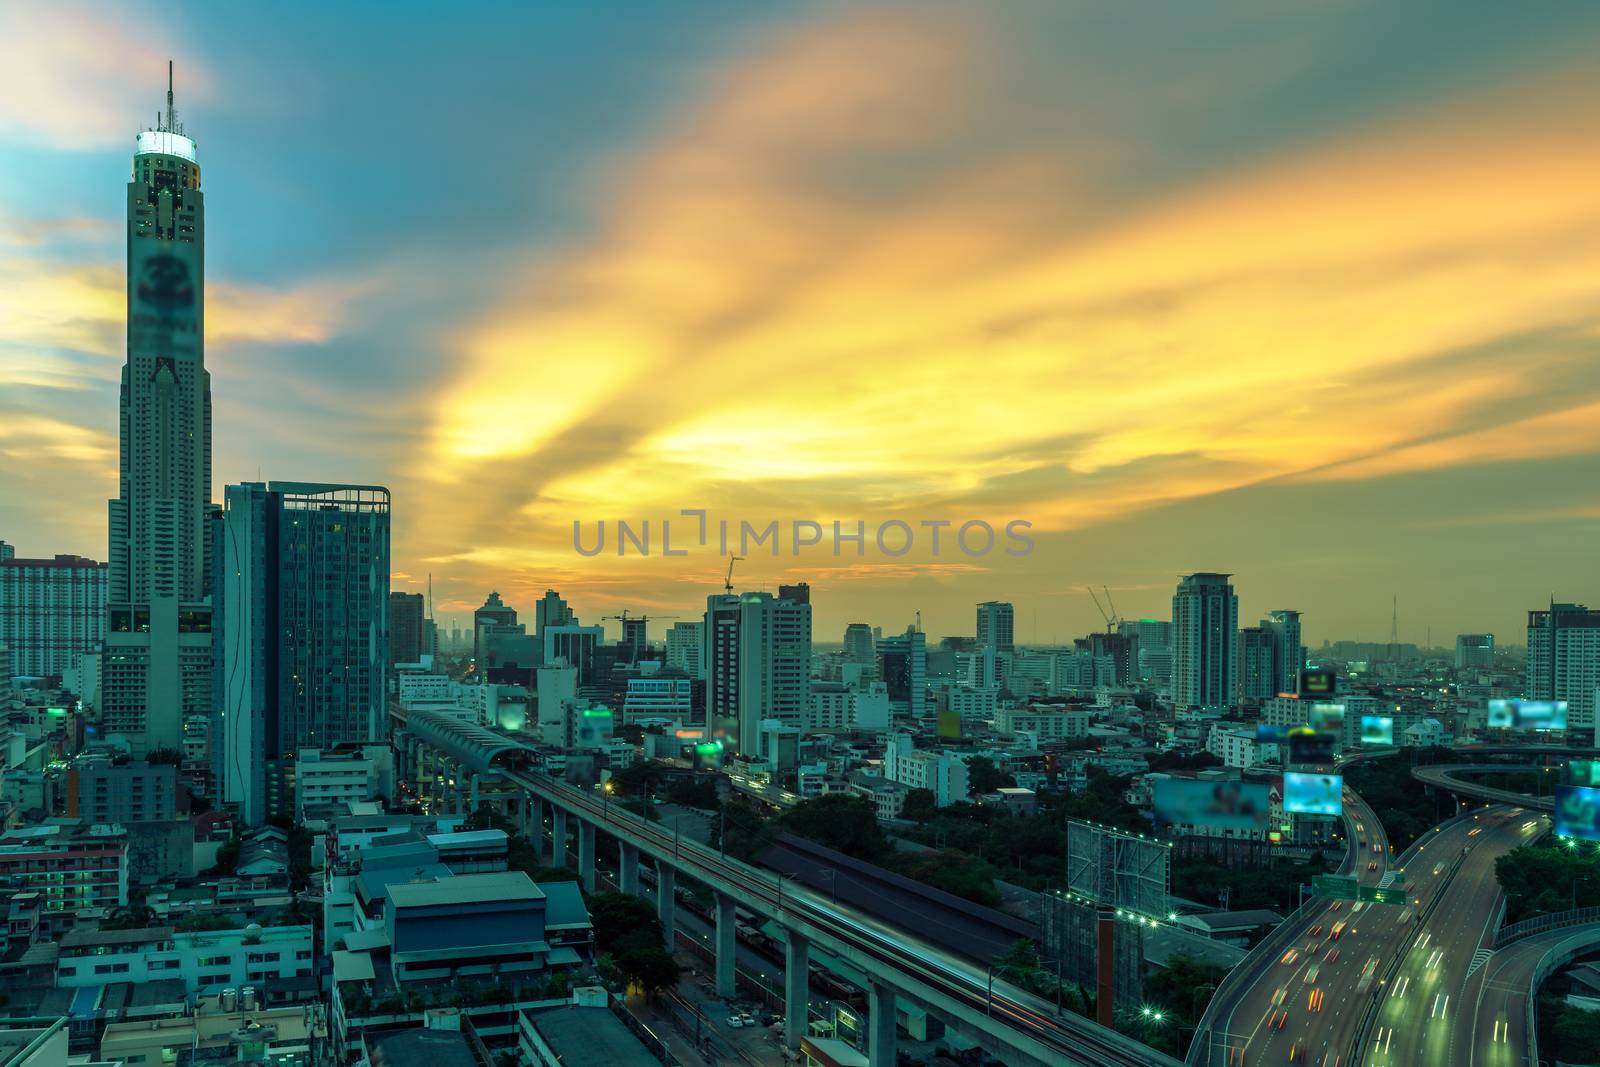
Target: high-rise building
x,y
996,625
858,644
550,610
303,631
684,648
1474,650
1205,625
1258,673
1116,657
495,616
758,666
576,645
799,593
1564,659
158,645
7,552
903,669
1154,647
407,629
1288,650
51,612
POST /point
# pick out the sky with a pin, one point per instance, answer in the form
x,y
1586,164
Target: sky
x,y
1304,293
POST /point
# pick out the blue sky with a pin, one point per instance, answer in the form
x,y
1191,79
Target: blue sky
x,y
1151,278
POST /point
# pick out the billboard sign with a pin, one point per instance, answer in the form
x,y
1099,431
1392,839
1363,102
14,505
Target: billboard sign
x,y
1377,729
1313,794
1228,804
1578,812
164,298
1124,870
1310,746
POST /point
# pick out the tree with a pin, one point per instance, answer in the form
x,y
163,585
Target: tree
x,y
130,918
984,777
201,921
618,916
640,779
920,806
740,829
954,872
171,756
649,968
228,856
839,821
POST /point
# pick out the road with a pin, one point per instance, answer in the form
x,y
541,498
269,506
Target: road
x,y
1426,1012
1243,1026
1496,1030
1456,778
1014,1024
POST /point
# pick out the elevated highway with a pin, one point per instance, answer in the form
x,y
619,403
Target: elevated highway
x,y
1456,778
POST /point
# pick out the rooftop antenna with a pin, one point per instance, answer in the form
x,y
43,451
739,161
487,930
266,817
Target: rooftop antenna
x,y
172,114
430,594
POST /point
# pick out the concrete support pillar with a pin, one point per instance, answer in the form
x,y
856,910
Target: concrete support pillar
x,y
586,854
880,1025
533,821
473,796
796,989
667,900
726,947
558,837
628,868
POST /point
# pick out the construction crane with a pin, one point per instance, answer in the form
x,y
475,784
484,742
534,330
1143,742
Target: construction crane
x,y
1111,616
633,630
727,585
625,618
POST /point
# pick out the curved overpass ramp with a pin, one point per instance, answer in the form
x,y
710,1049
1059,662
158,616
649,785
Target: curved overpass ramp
x,y
1456,778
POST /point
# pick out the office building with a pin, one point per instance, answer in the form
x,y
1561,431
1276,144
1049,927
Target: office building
x,y
103,792
660,697
1205,626
684,648
1154,637
858,645
575,645
996,625
940,773
407,628
1258,670
1043,722
758,664
1115,656
1564,659
549,610
208,961
495,616
903,669
305,631
158,661
799,593
1474,651
1288,650
52,611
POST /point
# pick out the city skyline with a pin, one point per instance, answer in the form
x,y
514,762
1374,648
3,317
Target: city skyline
x,y
1190,361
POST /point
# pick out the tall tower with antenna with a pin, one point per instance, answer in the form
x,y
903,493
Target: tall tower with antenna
x,y
1394,630
157,670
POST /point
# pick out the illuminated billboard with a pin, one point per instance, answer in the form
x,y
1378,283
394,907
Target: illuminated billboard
x,y
1228,804
1578,812
1310,746
1540,714
1500,715
1377,729
1329,717
1313,794
1271,733
1583,772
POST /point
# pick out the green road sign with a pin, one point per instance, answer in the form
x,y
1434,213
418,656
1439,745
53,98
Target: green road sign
x,y
1399,878
1391,895
1332,885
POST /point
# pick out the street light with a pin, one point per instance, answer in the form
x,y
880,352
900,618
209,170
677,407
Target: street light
x,y
605,805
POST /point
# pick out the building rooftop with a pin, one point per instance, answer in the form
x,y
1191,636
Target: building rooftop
x,y
564,906
466,889
94,938
590,1037
423,1048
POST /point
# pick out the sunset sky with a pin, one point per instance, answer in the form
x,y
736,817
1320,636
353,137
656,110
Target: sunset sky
x,y
1305,292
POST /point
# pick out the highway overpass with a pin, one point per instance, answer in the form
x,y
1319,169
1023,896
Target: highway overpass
x,y
456,765
1456,778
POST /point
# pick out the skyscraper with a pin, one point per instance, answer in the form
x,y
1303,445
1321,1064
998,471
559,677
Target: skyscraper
x,y
158,646
1288,650
303,630
858,644
495,616
1474,650
903,668
758,665
51,612
407,629
1564,659
996,625
683,648
549,610
1258,673
1205,625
